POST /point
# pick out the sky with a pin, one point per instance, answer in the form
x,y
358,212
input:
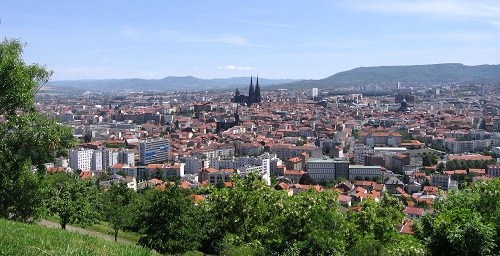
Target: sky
x,y
279,39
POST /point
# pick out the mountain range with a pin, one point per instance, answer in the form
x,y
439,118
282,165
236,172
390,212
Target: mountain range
x,y
170,83
382,75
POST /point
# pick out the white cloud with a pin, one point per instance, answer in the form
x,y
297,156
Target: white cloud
x,y
228,39
230,67
459,8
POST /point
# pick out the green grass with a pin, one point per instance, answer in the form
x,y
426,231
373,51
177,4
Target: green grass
x,y
104,228
30,239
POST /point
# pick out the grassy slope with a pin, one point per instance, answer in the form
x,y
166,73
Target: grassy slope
x,y
25,239
104,228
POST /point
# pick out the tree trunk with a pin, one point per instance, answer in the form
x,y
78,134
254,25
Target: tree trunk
x,y
116,234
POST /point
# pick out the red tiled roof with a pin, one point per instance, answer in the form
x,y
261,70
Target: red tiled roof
x,y
471,157
414,210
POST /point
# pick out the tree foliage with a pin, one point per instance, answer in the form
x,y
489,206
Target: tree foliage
x,y
168,221
26,137
429,159
241,214
117,204
465,222
75,201
456,164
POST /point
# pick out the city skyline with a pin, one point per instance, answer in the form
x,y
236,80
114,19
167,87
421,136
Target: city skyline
x,y
222,39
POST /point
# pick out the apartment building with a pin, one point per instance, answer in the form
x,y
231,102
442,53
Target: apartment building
x,y
81,159
363,171
154,151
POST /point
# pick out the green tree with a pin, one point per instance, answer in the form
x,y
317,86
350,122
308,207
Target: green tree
x,y
440,167
462,219
27,138
355,133
312,224
240,216
75,201
307,180
300,143
168,221
429,159
87,137
376,233
117,203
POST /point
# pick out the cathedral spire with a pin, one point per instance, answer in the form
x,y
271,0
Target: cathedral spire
x,y
257,92
251,92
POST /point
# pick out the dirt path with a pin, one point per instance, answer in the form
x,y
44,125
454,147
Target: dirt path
x,y
52,224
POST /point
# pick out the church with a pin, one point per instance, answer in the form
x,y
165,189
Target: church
x,y
253,94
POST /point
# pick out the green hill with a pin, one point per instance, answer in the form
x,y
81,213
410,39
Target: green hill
x,y
417,74
30,239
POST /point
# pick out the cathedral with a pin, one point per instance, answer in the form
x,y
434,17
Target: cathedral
x,y
253,94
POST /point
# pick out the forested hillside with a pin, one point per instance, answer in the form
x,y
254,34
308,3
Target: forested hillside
x,y
417,74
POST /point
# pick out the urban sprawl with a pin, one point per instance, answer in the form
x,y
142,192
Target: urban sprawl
x,y
413,141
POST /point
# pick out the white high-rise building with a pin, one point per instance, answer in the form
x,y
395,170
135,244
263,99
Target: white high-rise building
x,y
127,156
154,151
314,92
96,163
194,164
110,157
81,159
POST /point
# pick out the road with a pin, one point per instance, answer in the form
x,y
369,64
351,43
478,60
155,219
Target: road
x,y
52,224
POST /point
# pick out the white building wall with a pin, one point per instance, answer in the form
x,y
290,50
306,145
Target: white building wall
x,y
97,160
364,171
320,169
81,159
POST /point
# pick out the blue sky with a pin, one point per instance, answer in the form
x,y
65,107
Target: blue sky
x,y
274,39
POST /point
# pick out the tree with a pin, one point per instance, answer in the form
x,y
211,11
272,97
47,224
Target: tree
x,y
117,203
220,184
312,224
429,159
87,137
377,234
464,223
307,179
355,133
75,201
27,138
300,143
168,221
240,216
440,167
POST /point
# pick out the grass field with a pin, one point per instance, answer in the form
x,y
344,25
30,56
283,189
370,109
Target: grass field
x,y
30,239
104,228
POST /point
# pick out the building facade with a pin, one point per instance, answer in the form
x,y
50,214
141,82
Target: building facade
x,y
81,159
154,151
363,171
321,168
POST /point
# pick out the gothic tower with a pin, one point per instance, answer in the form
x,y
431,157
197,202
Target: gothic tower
x,y
251,93
257,92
